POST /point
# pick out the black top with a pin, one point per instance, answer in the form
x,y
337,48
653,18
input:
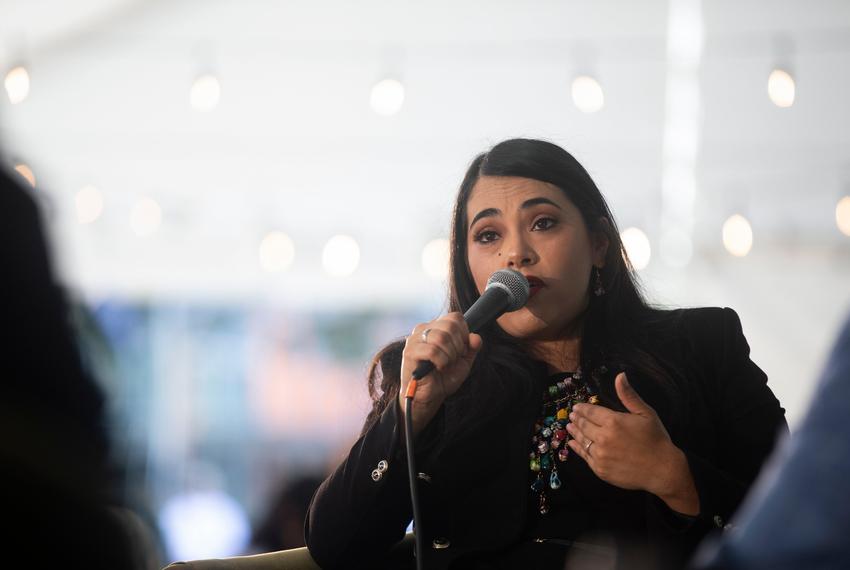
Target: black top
x,y
476,503
583,504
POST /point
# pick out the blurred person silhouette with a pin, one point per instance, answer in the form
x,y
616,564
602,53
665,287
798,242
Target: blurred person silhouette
x,y
56,484
282,525
798,513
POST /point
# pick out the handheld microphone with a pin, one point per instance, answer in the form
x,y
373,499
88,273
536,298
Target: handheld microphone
x,y
506,290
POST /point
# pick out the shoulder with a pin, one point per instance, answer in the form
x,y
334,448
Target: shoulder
x,y
705,334
716,326
697,322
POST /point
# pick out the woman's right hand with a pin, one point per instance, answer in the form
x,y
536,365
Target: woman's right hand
x,y
452,349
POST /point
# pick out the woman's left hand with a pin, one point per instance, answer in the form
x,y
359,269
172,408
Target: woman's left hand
x,y
633,450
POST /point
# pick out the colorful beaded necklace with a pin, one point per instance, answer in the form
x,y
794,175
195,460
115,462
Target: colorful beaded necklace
x,y
549,441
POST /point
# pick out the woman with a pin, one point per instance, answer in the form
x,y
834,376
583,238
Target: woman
x,y
586,428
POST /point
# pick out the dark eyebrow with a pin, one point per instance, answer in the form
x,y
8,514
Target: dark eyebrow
x,y
535,201
485,213
489,212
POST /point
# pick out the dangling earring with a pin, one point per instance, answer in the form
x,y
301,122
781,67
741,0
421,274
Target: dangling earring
x,y
598,290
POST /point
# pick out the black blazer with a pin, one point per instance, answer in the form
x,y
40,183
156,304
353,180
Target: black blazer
x,y
474,497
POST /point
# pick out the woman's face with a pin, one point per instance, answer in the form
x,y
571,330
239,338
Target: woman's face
x,y
531,226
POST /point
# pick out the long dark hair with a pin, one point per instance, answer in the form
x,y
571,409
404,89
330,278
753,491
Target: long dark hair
x,y
615,324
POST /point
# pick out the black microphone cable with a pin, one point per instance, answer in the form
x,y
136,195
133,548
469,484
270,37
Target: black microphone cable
x,y
506,290
411,473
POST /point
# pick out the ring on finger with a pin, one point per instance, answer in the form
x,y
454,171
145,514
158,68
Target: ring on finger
x,y
424,335
587,446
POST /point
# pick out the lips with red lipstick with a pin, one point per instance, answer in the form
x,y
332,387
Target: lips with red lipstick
x,y
535,285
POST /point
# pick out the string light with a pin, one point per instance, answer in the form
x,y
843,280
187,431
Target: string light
x,y
587,94
781,88
737,235
341,256
637,247
205,93
276,252
387,97
17,84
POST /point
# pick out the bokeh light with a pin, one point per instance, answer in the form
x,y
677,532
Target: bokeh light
x,y
637,247
145,217
17,83
435,259
89,204
737,235
587,94
341,256
276,252
205,93
781,88
387,97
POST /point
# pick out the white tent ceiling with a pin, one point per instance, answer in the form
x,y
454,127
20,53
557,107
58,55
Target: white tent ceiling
x,y
294,145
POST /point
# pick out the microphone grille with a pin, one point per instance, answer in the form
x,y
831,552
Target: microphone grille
x,y
514,283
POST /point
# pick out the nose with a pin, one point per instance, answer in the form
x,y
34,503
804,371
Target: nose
x,y
519,253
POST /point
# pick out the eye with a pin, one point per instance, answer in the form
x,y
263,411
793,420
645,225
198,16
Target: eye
x,y
485,236
543,223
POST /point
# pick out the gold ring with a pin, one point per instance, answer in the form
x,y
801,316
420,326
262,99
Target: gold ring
x,y
587,447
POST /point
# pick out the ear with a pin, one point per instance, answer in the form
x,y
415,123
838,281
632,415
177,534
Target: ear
x,y
600,242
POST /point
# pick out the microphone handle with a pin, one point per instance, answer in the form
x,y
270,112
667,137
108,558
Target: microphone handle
x,y
488,307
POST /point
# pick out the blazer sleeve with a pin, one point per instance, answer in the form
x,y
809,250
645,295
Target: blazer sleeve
x,y
363,508
747,420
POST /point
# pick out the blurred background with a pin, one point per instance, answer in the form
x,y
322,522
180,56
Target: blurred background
x,y
246,200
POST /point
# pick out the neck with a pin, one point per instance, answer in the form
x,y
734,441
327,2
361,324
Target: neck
x,y
560,355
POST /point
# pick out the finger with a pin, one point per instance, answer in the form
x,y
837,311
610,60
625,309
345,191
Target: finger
x,y
456,317
578,434
475,344
585,427
578,448
444,341
456,326
415,335
436,354
629,396
597,414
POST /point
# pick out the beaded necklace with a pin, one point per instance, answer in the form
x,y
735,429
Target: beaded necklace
x,y
549,441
